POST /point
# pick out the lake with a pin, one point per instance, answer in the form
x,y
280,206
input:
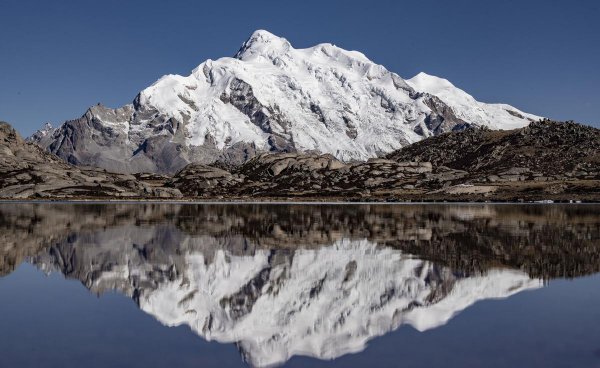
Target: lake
x,y
332,285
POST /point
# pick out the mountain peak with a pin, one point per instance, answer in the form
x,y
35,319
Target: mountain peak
x,y
264,35
46,130
430,82
262,43
465,107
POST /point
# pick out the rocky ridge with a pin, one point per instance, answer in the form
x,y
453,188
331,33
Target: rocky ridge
x,y
542,151
546,160
298,175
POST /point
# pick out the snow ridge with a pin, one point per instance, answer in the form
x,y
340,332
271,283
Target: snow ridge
x,y
494,116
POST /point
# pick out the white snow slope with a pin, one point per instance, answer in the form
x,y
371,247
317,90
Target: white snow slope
x,y
321,93
494,116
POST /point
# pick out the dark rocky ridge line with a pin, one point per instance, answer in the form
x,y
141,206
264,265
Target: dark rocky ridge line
x,y
544,161
542,151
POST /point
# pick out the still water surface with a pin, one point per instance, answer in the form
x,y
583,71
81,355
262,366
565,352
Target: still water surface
x,y
228,285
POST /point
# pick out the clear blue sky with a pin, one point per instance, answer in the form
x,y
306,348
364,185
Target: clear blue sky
x,y
59,57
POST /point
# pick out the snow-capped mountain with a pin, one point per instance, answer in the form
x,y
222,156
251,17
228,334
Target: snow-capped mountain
x,y
272,97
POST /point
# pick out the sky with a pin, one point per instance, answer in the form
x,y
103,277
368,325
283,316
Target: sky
x,y
57,58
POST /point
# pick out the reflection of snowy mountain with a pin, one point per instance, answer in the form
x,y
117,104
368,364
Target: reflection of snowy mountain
x,y
274,304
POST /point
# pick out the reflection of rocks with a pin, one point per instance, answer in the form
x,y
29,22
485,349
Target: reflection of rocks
x,y
545,241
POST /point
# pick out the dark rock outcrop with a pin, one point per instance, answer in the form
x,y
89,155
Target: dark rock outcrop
x,y
547,160
541,151
298,175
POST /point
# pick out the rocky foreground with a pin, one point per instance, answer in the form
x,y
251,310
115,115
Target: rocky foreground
x,y
544,161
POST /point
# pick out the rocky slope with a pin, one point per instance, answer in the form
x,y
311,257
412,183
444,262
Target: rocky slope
x,y
297,175
542,151
546,160
271,97
27,171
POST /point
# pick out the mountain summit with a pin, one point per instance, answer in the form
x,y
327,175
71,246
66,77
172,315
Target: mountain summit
x,y
272,97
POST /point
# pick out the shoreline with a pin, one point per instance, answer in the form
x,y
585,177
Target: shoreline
x,y
281,201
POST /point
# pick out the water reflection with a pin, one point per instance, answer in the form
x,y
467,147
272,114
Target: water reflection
x,y
318,280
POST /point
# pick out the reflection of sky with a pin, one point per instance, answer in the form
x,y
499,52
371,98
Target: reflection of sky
x,y
64,324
